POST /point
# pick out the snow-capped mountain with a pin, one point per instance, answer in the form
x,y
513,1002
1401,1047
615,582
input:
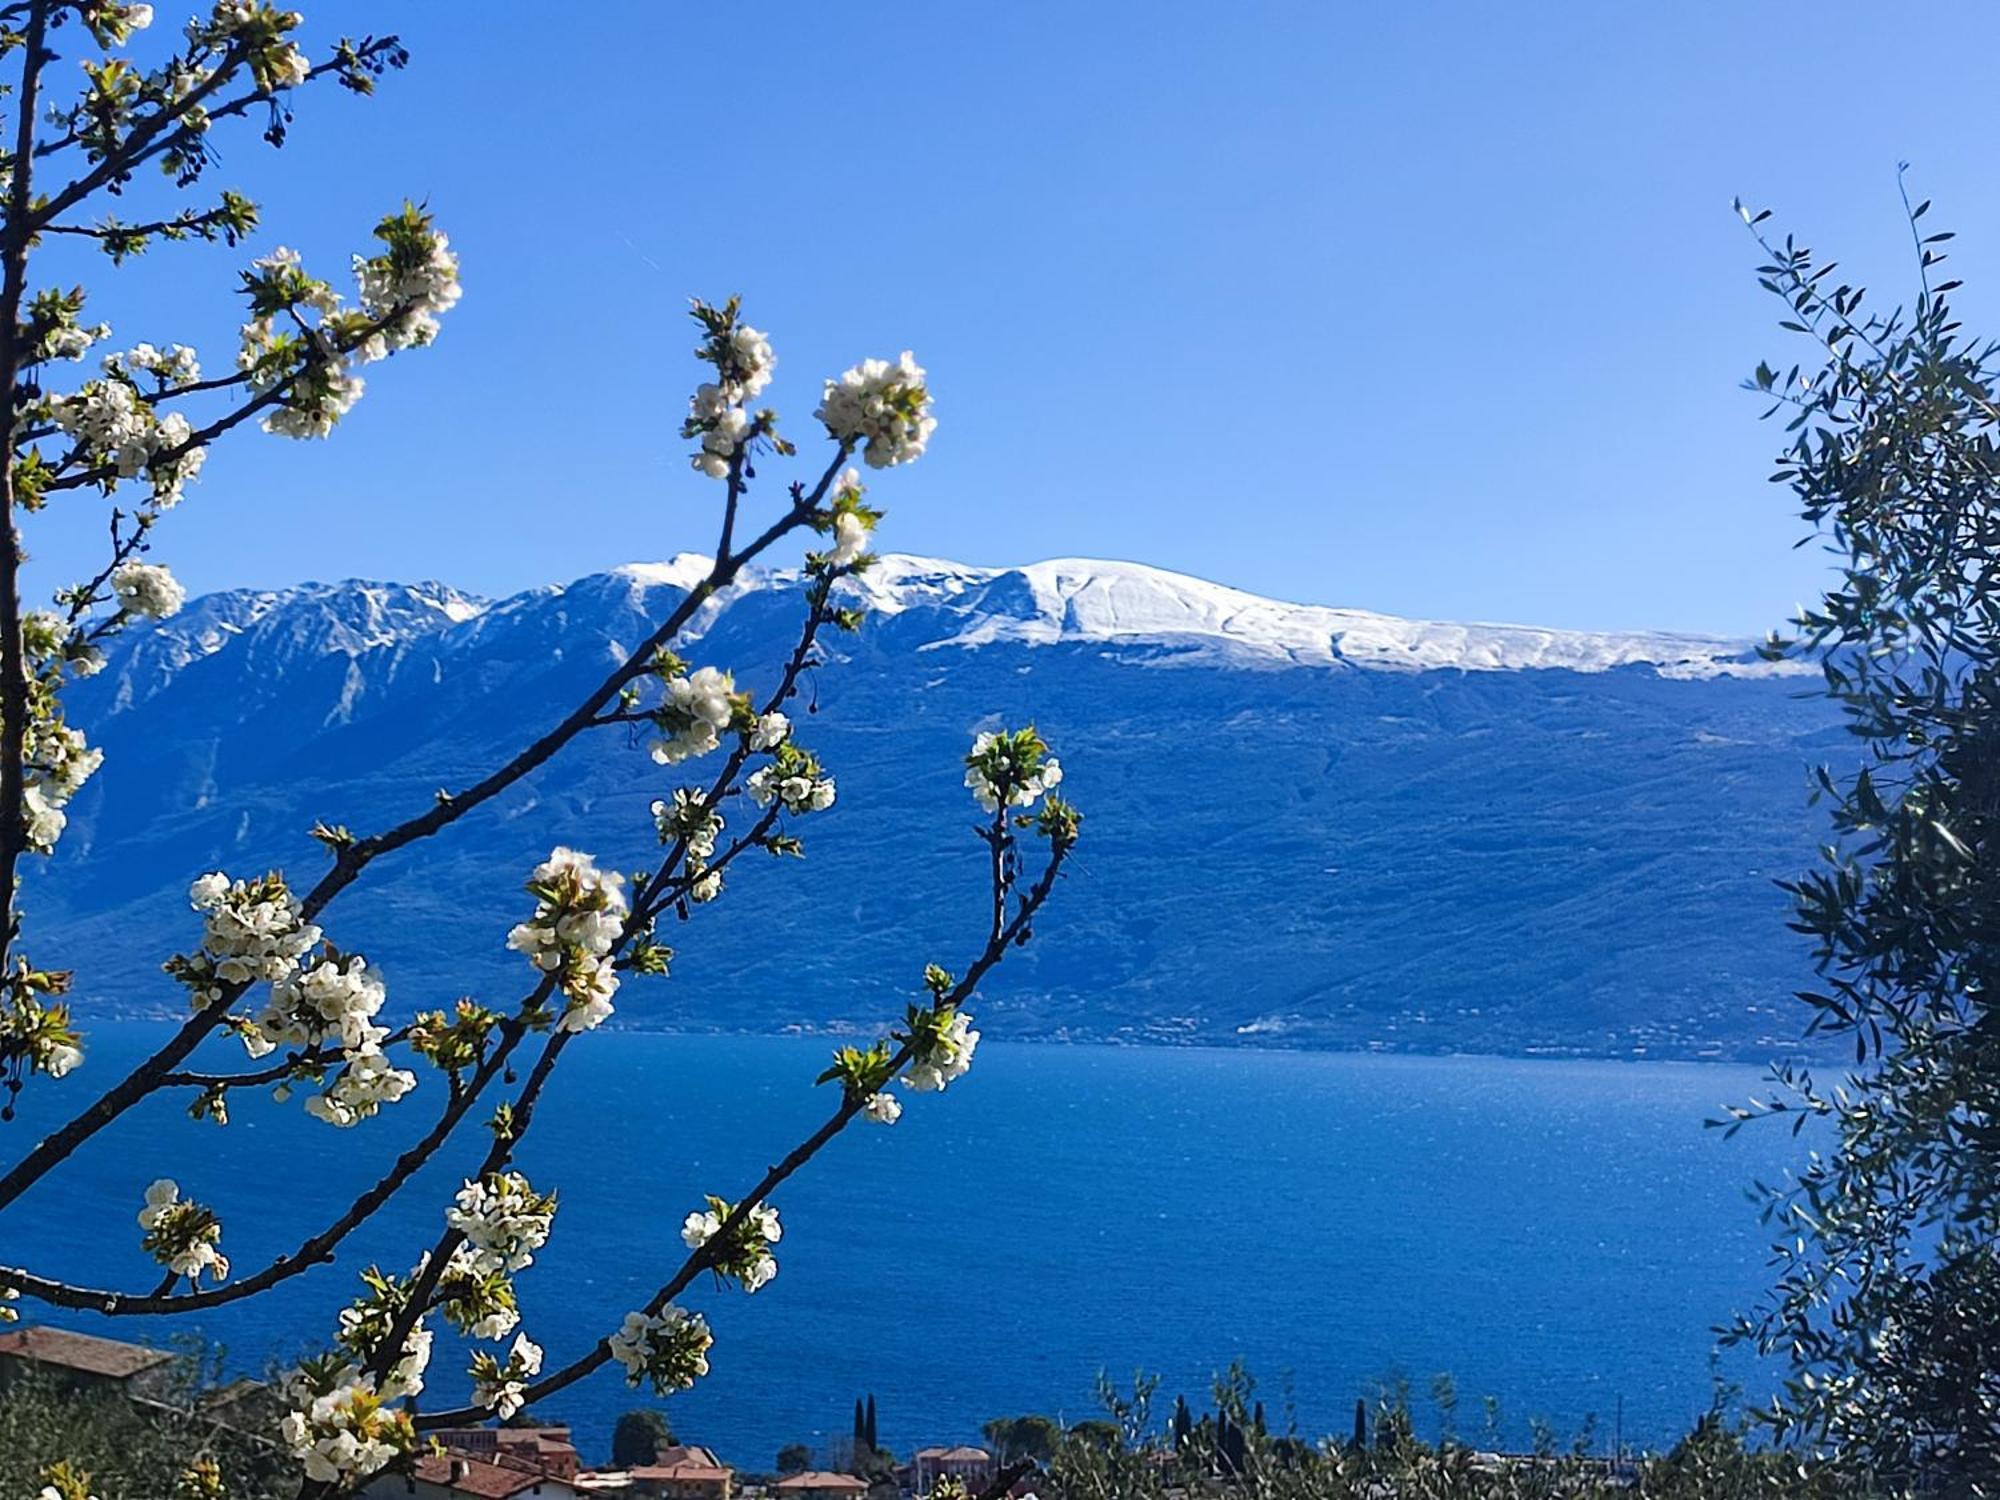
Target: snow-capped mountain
x,y
1306,825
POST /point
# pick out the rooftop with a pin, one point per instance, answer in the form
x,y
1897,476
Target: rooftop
x,y
959,1455
80,1351
686,1453
687,1468
476,1476
820,1479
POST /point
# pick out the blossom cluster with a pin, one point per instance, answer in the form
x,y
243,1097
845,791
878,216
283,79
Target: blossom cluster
x,y
366,1082
670,1348
369,1322
411,282
56,761
147,591
346,1431
884,408
475,1295
51,642
403,291
116,428
504,1221
335,999
182,1235
34,1032
175,365
792,777
850,522
579,913
738,1246
71,340
251,930
66,1482
260,29
699,706
500,1388
941,1046
743,364
690,819
1010,769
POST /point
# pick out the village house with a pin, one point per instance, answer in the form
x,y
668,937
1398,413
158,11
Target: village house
x,y
971,1467
546,1448
458,1476
817,1484
82,1361
680,1472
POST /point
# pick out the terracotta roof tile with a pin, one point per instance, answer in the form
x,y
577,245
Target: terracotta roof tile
x,y
820,1479
473,1476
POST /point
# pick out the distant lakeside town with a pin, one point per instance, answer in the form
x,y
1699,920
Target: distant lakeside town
x,y
520,1458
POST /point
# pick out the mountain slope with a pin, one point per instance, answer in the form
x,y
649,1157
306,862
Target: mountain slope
x,y
1306,826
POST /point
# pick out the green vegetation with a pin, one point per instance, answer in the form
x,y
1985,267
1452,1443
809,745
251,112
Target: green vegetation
x,y
638,1438
121,1450
1124,1458
1888,1300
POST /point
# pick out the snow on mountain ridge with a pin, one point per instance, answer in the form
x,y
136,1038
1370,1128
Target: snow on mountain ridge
x,y
1070,599
1173,618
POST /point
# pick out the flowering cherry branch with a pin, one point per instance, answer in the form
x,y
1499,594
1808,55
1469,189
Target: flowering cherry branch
x,y
315,1015
705,1255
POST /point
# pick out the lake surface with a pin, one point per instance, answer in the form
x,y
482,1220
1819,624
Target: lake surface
x,y
1562,1236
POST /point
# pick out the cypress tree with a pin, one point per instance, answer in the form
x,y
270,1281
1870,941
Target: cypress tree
x,y
1183,1424
1360,1425
871,1421
860,1429
1257,1419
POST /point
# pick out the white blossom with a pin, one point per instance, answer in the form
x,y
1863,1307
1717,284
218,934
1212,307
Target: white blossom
x,y
182,1235
883,407
688,816
882,1109
366,1083
698,708
947,1055
580,912
161,1195
850,539
117,427
72,341
253,930
503,1219
175,365
997,766
147,590
671,1348
500,1388
418,274
345,1433
745,1257
771,731
57,762
743,364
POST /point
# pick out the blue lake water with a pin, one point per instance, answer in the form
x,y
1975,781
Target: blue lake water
x,y
1560,1235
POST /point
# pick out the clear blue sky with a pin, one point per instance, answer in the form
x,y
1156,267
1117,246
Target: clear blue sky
x,y
1433,309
